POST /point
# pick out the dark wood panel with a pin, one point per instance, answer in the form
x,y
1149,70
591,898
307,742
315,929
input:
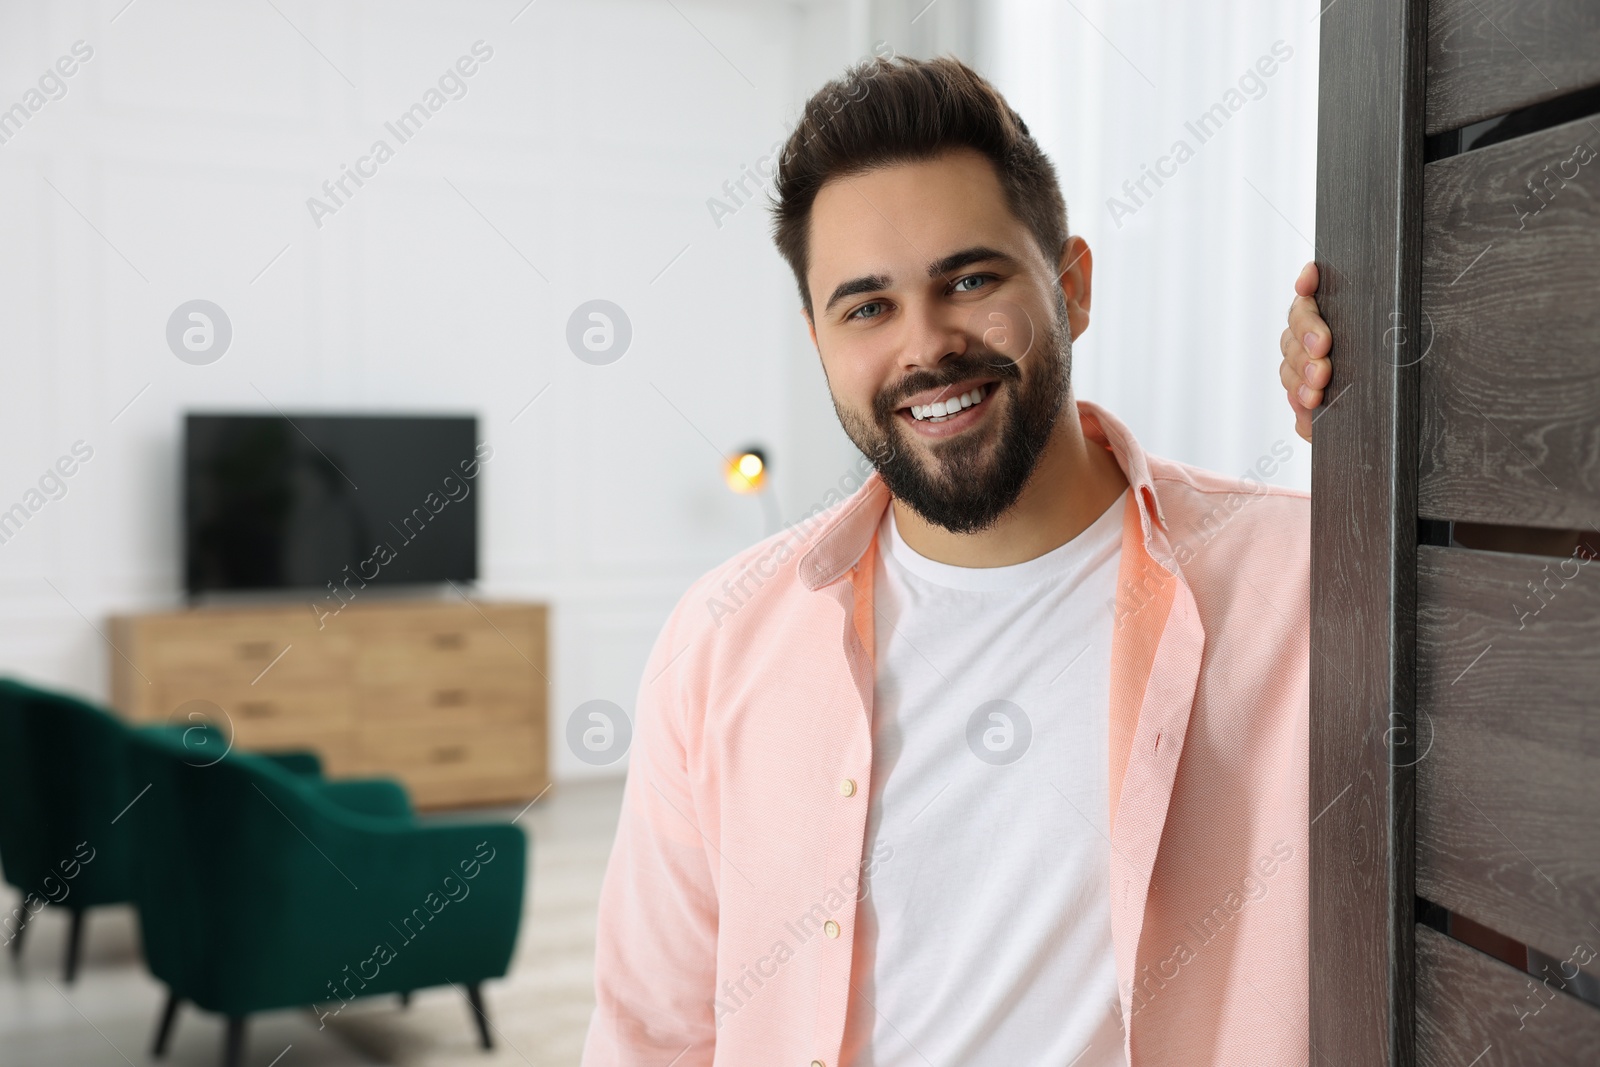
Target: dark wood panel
x,y
1474,1010
1511,304
1487,57
1363,513
1508,775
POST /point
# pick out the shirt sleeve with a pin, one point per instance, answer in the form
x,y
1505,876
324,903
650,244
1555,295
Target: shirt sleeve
x,y
656,938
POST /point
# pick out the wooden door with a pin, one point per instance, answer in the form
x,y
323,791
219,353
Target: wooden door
x,y
1455,677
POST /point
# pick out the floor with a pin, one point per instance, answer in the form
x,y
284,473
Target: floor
x,y
540,1010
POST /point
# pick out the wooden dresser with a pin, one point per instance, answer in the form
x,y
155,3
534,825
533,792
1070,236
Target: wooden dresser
x,y
449,697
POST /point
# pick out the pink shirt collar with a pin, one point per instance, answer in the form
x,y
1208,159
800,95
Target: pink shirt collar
x,y
846,534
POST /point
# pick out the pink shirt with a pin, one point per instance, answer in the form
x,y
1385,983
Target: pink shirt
x,y
727,915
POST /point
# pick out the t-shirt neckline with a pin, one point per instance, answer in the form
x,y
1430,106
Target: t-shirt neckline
x,y
1059,562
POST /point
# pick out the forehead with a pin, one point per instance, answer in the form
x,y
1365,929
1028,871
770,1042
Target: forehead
x,y
900,217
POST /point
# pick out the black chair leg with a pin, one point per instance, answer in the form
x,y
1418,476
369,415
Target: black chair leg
x,y
233,1043
405,999
75,944
169,1014
22,928
475,999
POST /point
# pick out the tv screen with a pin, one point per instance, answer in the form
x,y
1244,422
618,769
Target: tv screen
x,y
292,501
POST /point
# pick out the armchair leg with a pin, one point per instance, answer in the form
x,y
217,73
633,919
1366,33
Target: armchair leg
x,y
475,999
16,940
74,944
169,1015
405,999
233,1043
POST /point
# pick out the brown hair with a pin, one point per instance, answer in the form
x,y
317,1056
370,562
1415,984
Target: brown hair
x,y
884,111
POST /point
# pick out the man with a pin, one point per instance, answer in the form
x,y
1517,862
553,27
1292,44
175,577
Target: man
x,y
1003,760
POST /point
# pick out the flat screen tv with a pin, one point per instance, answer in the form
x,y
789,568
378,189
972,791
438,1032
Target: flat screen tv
x,y
298,501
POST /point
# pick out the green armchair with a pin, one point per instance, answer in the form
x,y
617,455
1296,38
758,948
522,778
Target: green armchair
x,y
63,791
259,889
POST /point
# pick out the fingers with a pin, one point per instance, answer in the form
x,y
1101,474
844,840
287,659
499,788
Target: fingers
x,y
1306,369
1308,327
1302,392
1307,342
1306,284
1302,418
1313,371
1290,376
1305,321
1302,374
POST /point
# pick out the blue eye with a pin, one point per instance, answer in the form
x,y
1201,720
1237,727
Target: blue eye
x,y
856,314
970,278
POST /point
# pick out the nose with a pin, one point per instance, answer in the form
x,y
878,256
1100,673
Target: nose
x,y
935,332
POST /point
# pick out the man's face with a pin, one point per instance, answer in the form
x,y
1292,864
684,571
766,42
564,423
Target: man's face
x,y
944,333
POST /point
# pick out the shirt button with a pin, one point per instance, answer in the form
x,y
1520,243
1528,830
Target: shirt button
x,y
818,1063
830,928
848,787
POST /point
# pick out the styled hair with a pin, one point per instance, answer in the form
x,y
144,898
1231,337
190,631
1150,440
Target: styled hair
x,y
884,111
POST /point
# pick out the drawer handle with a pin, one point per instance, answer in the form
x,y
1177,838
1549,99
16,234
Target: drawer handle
x,y
449,698
449,754
450,640
258,709
254,649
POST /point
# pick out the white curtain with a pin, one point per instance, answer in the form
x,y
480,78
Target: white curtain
x,y
1192,276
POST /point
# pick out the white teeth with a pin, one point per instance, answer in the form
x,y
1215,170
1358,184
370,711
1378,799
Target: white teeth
x,y
939,410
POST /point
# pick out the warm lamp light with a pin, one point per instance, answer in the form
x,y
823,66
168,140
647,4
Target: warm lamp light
x,y
746,471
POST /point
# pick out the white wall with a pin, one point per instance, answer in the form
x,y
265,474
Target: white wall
x,y
178,165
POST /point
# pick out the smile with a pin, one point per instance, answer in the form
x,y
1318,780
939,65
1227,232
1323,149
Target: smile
x,y
944,410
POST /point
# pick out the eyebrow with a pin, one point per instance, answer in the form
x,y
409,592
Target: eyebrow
x,y
872,283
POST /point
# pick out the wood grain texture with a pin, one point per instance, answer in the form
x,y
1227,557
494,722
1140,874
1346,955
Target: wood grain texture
x,y
1363,479
1487,57
1473,1009
1511,290
1508,687
449,697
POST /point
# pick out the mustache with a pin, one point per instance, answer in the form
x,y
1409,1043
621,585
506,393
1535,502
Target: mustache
x,y
888,401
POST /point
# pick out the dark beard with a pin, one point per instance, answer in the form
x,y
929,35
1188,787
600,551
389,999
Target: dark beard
x,y
959,490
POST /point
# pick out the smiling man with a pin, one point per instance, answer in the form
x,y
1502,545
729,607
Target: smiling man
x,y
1005,760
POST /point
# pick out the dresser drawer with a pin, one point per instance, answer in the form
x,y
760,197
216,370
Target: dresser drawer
x,y
291,706
442,765
462,698
448,642
282,647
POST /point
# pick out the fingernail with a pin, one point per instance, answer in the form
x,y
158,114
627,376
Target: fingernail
x,y
1305,396
1307,374
1310,339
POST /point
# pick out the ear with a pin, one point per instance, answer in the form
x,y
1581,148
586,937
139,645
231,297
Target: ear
x,y
811,327
1075,278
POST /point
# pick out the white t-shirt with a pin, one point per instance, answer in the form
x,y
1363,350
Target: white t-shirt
x,y
986,919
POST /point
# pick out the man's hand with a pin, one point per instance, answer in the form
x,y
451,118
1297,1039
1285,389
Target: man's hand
x,y
1306,343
